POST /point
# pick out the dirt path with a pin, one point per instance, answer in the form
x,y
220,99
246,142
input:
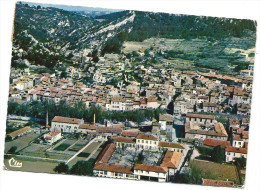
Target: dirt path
x,y
194,154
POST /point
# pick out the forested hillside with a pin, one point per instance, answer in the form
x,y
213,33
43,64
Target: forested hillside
x,y
46,36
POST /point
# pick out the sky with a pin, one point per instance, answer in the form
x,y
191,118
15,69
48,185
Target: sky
x,y
71,8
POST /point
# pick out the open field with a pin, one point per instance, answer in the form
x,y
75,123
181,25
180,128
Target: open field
x,y
62,147
166,44
85,154
64,144
32,165
220,171
221,55
35,148
91,147
50,155
21,142
76,148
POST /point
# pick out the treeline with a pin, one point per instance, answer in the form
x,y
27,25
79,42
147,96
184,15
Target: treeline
x,y
187,26
147,25
38,23
38,110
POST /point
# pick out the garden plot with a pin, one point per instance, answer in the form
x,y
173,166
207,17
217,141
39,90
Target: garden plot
x,y
63,145
78,145
35,148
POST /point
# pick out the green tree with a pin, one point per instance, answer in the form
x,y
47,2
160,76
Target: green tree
x,y
140,158
195,175
63,74
94,55
240,162
234,109
61,168
82,168
218,154
12,150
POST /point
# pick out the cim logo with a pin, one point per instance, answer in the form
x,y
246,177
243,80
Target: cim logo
x,y
15,164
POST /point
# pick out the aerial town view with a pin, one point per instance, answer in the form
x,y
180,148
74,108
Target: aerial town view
x,y
130,95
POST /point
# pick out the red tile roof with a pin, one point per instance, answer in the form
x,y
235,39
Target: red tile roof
x,y
219,130
109,130
53,133
119,125
219,183
202,116
130,133
234,121
171,159
66,120
88,126
20,131
114,168
106,153
146,137
170,145
237,150
123,139
215,142
145,167
151,99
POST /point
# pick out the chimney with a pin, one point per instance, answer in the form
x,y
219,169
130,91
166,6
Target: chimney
x,y
47,119
94,120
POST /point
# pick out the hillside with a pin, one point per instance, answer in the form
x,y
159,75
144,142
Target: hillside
x,y
47,36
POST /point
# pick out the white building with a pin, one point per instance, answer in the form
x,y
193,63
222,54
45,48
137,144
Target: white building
x,y
144,141
233,152
52,136
66,124
151,173
201,119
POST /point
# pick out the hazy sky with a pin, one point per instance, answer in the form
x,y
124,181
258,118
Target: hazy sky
x,y
71,8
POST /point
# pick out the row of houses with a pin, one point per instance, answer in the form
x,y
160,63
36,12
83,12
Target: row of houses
x,y
208,132
163,172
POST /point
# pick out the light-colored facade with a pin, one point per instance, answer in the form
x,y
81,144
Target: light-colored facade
x,y
232,153
65,124
52,136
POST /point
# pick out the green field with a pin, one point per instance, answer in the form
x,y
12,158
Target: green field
x,y
219,171
76,147
62,147
21,142
83,154
33,165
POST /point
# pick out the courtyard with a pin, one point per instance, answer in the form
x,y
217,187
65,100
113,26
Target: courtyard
x,y
130,156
